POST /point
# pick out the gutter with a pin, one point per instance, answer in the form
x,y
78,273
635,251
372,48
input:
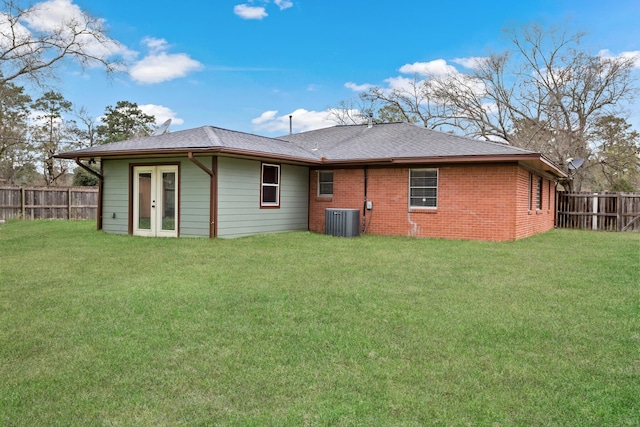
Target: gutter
x,y
183,151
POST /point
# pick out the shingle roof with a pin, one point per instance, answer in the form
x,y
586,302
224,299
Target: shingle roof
x,y
394,140
202,138
339,144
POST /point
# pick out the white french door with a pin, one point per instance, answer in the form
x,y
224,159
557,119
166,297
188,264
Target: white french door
x,y
155,201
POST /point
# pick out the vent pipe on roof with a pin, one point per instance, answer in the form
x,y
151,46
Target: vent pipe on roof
x,y
290,124
370,123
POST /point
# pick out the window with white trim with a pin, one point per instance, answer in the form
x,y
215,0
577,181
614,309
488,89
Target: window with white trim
x,y
423,188
325,183
270,185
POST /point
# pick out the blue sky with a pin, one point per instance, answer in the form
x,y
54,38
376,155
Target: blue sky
x,y
246,65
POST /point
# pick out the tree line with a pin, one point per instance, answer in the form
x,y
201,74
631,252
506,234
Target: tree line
x,y
32,132
544,93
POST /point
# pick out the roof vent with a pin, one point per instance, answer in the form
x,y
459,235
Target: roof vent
x,y
370,122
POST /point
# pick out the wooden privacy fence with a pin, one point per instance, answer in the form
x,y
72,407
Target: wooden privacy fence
x,y
48,202
599,211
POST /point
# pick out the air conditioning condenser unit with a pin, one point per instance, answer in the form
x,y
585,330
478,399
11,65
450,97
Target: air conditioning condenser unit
x,y
342,222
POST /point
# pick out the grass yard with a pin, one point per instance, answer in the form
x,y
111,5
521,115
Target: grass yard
x,y
303,329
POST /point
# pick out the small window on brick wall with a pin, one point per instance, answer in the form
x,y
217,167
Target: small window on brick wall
x,y
325,183
530,192
539,192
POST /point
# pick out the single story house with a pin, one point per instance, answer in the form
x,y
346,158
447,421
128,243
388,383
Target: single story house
x,y
403,180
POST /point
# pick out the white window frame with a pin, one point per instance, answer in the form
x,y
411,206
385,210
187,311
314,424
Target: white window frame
x,y
435,187
269,184
320,193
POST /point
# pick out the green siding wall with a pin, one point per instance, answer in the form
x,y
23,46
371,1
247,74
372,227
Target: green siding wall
x,y
115,196
239,212
194,196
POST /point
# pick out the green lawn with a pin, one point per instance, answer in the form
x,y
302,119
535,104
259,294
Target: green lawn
x,y
304,329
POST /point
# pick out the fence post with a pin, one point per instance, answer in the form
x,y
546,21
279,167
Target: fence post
x,y
22,210
68,203
618,212
594,221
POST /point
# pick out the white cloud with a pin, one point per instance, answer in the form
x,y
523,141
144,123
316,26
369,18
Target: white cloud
x,y
283,4
155,45
159,66
401,83
161,113
265,117
245,11
358,88
437,67
303,120
66,18
631,55
472,62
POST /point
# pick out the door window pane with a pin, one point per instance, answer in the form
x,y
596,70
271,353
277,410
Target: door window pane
x,y
144,201
168,201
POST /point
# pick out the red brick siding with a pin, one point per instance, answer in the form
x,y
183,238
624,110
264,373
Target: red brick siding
x,y
348,193
533,221
474,202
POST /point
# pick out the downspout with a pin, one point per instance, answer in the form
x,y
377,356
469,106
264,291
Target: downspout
x,y
213,205
100,181
364,207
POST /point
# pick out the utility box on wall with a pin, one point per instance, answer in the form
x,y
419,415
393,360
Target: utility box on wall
x,y
342,222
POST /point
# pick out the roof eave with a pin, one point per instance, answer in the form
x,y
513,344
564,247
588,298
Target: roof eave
x,y
534,160
539,162
183,151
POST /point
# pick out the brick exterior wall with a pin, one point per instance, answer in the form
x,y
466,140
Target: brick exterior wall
x,y
533,221
477,202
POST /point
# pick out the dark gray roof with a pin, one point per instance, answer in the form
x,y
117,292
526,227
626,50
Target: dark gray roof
x,y
395,141
202,138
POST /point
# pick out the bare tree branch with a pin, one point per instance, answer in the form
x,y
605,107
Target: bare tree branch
x,y
31,46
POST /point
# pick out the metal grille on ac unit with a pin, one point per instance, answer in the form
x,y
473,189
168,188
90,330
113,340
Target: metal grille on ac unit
x,y
342,222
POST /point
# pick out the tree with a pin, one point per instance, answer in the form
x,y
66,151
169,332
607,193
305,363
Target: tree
x,y
14,111
410,100
350,112
545,94
617,153
84,129
124,121
32,44
82,178
51,134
